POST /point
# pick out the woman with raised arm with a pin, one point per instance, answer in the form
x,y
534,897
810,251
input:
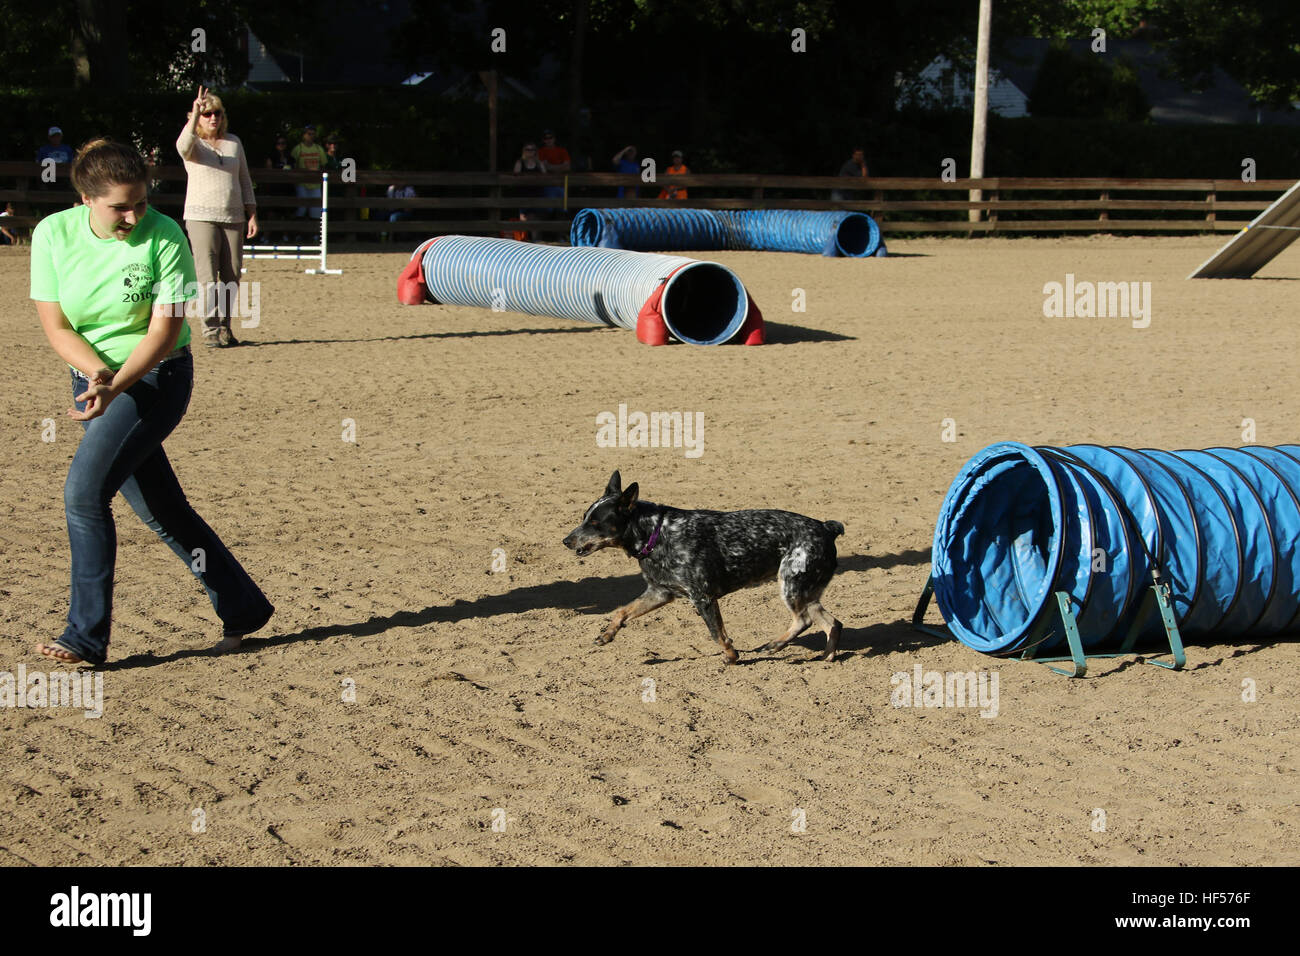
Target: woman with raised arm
x,y
220,211
110,279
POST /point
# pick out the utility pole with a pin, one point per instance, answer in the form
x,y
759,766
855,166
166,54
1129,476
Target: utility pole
x,y
981,103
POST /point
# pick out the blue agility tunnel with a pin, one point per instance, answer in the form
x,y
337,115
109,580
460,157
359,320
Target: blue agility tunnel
x,y
831,233
700,303
1020,524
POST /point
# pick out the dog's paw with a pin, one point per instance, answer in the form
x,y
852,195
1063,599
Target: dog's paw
x,y
603,639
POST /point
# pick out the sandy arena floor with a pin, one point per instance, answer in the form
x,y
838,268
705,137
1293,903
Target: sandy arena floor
x,y
479,696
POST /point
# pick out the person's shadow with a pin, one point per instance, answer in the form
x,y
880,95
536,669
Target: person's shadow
x,y
589,595
586,596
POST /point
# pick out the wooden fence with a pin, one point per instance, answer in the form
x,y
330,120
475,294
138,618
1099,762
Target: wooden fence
x,y
489,203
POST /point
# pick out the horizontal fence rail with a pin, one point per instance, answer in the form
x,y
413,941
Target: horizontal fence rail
x,y
480,203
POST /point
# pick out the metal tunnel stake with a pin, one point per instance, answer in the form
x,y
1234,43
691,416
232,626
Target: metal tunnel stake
x,y
1062,615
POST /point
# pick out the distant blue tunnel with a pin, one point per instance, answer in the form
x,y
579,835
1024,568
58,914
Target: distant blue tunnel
x,y
1021,523
830,233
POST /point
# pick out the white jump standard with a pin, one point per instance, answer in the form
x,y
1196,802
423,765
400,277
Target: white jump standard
x,y
304,252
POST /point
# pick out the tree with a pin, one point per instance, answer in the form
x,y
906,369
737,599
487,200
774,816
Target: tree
x,y
1257,43
117,45
1077,86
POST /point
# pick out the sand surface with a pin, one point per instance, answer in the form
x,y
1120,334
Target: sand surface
x,y
479,696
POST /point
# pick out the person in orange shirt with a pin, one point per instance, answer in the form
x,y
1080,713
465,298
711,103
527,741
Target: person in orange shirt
x,y
557,160
678,168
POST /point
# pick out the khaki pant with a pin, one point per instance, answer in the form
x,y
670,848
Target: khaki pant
x,y
218,256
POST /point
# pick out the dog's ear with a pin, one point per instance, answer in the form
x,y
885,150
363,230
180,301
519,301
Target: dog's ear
x,y
615,485
628,501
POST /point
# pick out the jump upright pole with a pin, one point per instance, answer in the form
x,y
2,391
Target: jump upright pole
x,y
317,251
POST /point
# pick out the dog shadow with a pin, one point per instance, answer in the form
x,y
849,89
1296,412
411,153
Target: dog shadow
x,y
868,562
891,637
586,596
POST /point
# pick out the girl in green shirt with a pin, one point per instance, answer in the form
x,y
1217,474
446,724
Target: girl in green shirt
x,y
110,279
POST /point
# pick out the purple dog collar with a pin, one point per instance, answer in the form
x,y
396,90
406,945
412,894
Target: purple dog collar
x,y
654,539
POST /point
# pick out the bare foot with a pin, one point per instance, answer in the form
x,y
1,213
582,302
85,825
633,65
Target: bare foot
x,y
228,644
58,653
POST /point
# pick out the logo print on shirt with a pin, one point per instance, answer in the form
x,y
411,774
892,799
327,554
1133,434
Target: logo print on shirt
x,y
137,282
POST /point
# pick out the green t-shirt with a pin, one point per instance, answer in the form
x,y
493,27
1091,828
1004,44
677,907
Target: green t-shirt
x,y
108,287
309,157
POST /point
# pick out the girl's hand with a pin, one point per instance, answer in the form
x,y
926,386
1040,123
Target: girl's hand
x,y
96,397
199,97
252,226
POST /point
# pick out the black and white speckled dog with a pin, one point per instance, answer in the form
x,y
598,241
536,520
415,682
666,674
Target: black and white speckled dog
x,y
702,555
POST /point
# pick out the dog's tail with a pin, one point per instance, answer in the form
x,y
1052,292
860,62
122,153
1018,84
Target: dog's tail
x,y
834,527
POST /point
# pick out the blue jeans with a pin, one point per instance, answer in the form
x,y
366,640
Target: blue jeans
x,y
122,451
307,192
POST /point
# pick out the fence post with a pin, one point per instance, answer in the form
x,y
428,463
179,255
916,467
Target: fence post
x,y
1209,212
1105,213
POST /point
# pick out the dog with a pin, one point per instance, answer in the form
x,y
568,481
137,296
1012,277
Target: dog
x,y
702,555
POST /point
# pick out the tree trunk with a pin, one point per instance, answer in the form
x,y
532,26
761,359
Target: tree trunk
x,y
100,45
576,135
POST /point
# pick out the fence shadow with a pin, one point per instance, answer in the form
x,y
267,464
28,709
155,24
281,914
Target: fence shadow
x,y
466,334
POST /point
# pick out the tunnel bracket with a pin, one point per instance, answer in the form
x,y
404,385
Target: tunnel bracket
x,y
1157,598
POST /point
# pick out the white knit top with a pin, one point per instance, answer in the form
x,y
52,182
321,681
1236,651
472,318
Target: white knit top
x,y
219,185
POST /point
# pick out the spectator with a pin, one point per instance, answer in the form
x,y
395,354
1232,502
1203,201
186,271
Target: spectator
x,y
56,151
54,148
528,164
557,160
279,158
404,191
218,200
554,156
625,162
855,165
308,155
7,236
333,162
678,168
